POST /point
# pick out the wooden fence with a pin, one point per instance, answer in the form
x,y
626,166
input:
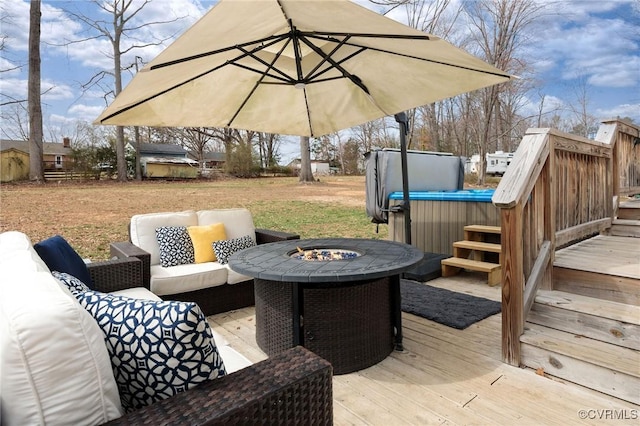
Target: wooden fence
x,y
559,189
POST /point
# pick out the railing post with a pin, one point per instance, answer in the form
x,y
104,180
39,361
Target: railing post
x,y
512,283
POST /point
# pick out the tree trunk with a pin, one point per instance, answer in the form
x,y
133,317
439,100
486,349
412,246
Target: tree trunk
x,y
36,171
305,160
136,130
117,71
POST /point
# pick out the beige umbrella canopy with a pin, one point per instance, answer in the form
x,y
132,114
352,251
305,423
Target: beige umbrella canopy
x,y
295,67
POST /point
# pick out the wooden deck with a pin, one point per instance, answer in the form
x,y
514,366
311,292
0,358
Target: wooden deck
x,y
604,267
448,376
603,254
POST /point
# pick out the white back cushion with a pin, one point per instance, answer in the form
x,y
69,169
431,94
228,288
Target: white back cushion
x,y
16,247
54,362
143,229
237,222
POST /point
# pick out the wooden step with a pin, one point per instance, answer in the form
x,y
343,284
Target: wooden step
x,y
629,209
607,368
453,265
625,228
478,245
483,228
611,322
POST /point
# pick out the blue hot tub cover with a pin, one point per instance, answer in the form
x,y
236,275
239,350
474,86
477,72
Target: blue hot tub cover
x,y
467,195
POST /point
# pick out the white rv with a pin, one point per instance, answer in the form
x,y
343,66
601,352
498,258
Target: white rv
x,y
496,163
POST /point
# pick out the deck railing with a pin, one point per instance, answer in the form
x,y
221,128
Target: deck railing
x,y
559,188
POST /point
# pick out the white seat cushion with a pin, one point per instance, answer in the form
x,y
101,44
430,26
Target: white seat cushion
x,y
183,278
137,293
55,366
234,278
233,360
143,229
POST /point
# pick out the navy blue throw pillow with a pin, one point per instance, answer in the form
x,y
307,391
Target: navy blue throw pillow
x,y
58,255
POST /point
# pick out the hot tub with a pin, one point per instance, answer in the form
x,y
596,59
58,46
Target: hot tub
x,y
438,218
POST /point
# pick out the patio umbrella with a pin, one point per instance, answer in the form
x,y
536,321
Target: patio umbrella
x,y
295,67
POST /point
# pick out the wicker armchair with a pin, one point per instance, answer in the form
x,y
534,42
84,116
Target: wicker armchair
x,y
213,300
116,274
292,388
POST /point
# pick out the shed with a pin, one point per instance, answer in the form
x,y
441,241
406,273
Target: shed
x,y
176,168
14,156
165,161
14,165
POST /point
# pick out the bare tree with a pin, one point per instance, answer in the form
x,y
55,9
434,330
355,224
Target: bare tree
x,y
437,17
36,155
499,31
268,148
122,27
584,123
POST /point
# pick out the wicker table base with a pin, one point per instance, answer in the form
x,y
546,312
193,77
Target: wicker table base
x,y
345,310
349,324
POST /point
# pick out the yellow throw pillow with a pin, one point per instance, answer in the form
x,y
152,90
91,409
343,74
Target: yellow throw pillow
x,y
202,237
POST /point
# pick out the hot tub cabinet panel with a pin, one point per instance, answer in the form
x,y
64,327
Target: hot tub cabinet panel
x,y
438,218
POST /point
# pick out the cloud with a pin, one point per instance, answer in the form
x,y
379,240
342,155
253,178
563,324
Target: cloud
x,y
15,88
55,91
85,112
623,110
551,105
592,40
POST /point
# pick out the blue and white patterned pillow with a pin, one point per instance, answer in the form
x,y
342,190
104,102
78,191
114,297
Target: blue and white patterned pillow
x,y
175,244
225,248
74,285
157,349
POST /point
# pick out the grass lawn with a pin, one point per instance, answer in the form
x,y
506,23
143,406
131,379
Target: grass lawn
x,y
93,214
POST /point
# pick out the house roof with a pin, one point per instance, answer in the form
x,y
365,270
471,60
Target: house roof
x,y
161,149
210,156
48,148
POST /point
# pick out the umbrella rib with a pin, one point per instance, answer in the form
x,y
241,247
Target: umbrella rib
x,y
354,78
296,50
271,40
367,35
286,78
346,58
324,60
314,35
255,86
266,73
247,53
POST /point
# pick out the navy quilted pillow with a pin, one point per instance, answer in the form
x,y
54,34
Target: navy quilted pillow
x,y
58,255
157,349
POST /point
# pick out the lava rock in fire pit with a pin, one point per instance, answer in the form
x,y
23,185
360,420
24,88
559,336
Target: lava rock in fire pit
x,y
324,254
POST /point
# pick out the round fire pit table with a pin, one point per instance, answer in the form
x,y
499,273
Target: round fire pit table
x,y
338,297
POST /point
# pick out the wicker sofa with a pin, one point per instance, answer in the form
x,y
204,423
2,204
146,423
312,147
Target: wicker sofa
x,y
49,376
214,286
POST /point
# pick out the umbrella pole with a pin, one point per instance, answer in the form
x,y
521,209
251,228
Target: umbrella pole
x,y
403,121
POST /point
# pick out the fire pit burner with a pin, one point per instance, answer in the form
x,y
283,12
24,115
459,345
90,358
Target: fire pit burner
x,y
320,254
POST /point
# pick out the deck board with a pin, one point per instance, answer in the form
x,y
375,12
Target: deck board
x,y
603,254
444,376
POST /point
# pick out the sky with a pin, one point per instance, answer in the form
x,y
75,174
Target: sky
x,y
593,44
